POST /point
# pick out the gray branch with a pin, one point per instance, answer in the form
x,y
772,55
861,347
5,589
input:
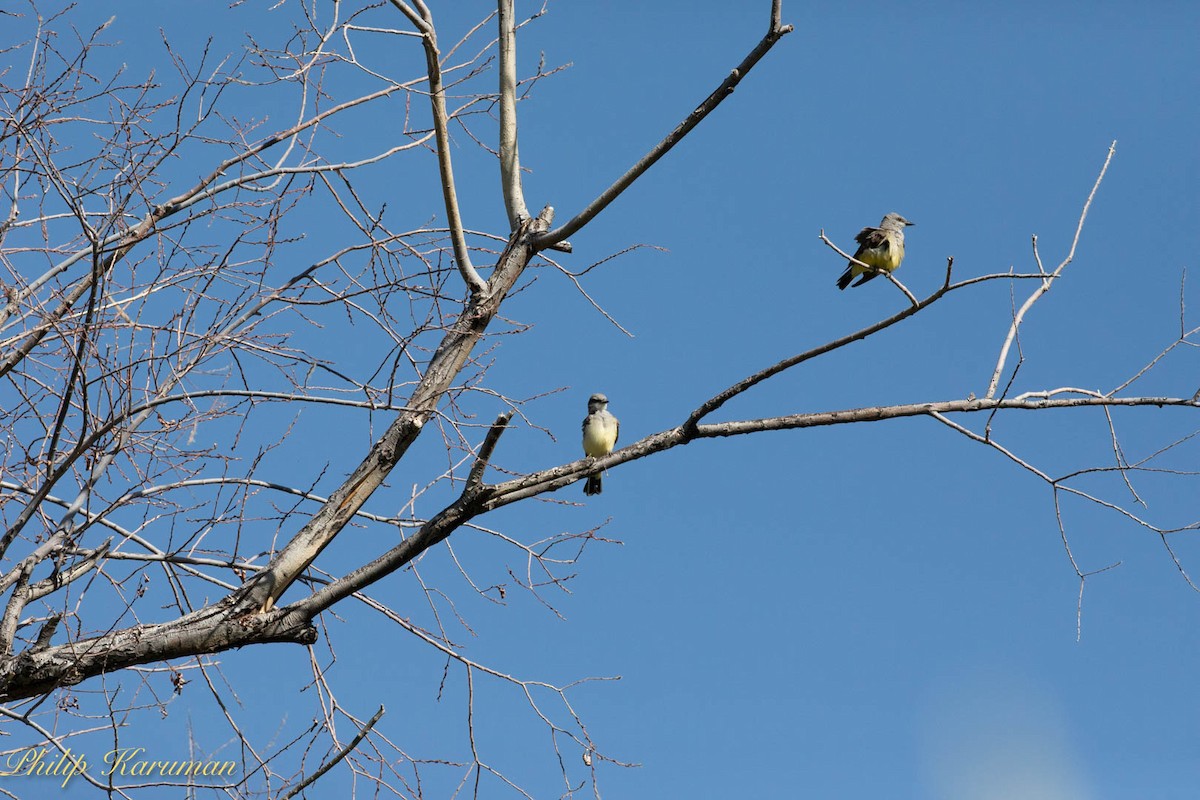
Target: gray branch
x,y
776,32
510,160
437,100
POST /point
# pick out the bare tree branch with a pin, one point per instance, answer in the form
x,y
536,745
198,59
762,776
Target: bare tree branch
x,y
443,368
510,160
437,99
776,32
472,503
165,337
555,478
475,478
1045,286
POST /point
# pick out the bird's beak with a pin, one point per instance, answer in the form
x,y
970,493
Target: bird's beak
x,y
906,224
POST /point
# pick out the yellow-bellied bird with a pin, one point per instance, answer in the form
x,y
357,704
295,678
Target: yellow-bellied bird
x,y
882,248
600,430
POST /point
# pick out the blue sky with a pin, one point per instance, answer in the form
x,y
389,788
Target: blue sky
x,y
876,610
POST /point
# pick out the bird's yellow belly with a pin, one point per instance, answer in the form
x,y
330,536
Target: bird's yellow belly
x,y
886,260
598,441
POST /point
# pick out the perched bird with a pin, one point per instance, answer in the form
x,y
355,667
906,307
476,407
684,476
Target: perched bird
x,y
882,248
600,430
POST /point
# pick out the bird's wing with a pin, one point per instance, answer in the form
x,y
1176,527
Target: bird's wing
x,y
873,239
617,435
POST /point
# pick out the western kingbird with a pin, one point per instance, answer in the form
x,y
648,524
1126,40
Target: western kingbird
x,y
600,430
882,248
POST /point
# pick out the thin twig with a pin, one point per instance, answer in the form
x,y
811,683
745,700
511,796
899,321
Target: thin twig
x,y
328,765
1045,286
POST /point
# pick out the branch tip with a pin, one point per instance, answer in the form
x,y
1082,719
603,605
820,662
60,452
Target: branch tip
x,y
475,477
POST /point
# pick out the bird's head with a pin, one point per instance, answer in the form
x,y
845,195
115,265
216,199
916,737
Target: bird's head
x,y
895,222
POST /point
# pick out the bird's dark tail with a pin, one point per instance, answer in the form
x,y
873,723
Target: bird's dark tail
x,y
847,276
593,485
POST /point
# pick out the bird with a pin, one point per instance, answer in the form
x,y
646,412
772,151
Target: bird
x,y
881,248
600,431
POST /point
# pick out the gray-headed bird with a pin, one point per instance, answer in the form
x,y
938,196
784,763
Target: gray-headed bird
x,y
881,248
600,430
